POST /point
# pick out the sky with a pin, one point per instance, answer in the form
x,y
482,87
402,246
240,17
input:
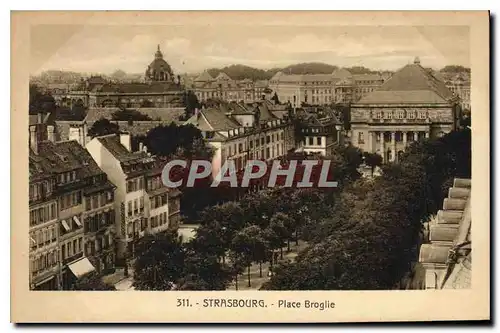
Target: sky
x,y
193,48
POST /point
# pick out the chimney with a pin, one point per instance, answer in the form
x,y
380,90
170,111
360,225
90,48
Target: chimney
x,y
125,140
33,139
50,133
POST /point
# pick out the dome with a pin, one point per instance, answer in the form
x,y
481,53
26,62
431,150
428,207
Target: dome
x,y
159,69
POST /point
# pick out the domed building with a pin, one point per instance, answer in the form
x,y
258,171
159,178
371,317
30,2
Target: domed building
x,y
159,70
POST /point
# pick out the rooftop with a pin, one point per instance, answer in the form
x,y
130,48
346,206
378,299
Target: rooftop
x,y
113,145
447,238
411,84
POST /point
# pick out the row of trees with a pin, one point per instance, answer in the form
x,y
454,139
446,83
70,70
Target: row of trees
x,y
371,237
234,235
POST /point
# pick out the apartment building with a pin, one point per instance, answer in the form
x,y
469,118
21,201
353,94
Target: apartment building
x,y
142,204
223,87
62,176
321,131
242,132
322,89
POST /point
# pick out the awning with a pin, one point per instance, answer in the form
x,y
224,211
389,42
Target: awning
x,y
81,267
65,225
77,221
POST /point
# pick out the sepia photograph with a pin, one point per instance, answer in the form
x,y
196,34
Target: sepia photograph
x,y
201,154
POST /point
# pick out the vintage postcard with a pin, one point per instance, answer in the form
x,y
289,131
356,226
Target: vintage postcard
x,y
250,166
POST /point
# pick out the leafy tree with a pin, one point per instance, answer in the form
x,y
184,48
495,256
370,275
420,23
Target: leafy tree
x,y
373,160
186,140
249,246
103,127
203,271
455,69
160,263
40,101
90,282
371,235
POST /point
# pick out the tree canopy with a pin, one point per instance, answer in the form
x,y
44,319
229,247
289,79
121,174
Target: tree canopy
x,y
103,127
371,235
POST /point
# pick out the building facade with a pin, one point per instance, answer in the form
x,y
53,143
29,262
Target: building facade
x,y
143,205
62,176
241,132
321,131
323,89
411,105
160,88
224,88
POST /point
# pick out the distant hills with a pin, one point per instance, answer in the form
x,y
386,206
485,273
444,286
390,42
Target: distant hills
x,y
236,72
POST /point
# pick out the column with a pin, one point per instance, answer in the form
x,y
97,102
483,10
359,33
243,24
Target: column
x,y
382,145
404,139
370,142
426,134
393,146
415,136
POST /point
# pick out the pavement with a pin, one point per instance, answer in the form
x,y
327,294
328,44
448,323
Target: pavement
x,y
123,283
119,280
255,280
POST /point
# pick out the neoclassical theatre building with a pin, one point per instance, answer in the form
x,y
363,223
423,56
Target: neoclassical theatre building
x,y
413,104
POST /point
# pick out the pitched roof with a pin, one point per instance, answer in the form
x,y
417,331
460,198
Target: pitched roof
x,y
341,73
216,120
204,77
367,77
223,76
411,84
113,145
53,158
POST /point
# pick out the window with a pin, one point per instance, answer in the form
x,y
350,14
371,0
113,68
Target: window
x,y
129,210
267,153
361,137
411,114
268,139
311,141
400,114
422,115
318,141
262,141
251,144
141,204
256,142
388,115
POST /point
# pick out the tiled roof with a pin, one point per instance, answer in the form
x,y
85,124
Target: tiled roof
x,y
447,239
367,77
411,84
217,120
112,144
399,97
265,114
61,157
